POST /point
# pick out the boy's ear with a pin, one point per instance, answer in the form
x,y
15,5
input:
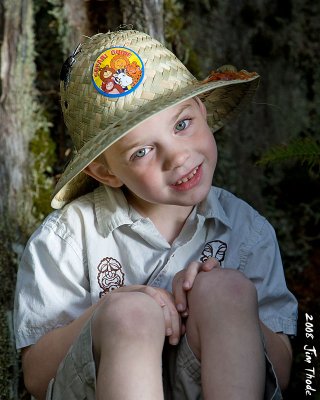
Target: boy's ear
x,y
101,173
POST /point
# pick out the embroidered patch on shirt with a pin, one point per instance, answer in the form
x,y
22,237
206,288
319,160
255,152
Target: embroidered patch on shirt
x,y
216,249
117,72
110,275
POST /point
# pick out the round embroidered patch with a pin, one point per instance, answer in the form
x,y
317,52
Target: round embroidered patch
x,y
117,72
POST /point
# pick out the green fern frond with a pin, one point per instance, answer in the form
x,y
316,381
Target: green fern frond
x,y
306,151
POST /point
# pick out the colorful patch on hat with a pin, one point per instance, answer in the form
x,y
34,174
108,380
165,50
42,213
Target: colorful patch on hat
x,y
117,72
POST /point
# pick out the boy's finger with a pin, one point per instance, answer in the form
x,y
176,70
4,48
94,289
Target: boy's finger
x,y
163,303
175,326
167,320
155,294
190,274
180,297
209,264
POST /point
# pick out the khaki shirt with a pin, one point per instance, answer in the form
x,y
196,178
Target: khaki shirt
x,y
98,243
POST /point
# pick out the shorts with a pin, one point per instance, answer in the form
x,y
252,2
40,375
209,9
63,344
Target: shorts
x,y
76,376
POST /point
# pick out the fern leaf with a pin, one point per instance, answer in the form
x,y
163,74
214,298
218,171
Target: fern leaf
x,y
306,151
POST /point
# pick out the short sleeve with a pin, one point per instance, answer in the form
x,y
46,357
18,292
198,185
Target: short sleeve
x,y
52,285
262,264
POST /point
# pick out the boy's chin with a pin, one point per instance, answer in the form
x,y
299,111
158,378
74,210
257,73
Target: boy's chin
x,y
194,200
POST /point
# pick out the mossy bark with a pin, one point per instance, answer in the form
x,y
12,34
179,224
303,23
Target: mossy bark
x,y
16,130
21,121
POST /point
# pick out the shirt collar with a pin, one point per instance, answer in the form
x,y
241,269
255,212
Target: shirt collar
x,y
211,207
112,209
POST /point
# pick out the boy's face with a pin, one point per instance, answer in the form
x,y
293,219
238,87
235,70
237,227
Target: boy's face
x,y
168,159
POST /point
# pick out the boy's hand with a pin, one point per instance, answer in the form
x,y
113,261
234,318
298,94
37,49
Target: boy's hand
x,y
166,302
184,279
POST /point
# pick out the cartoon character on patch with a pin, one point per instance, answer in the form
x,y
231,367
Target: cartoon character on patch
x,y
216,249
110,86
110,275
135,72
122,79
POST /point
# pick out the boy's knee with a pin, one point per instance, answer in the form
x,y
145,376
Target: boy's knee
x,y
217,296
227,287
128,314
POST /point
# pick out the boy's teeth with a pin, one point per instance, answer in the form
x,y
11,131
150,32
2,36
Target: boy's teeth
x,y
187,178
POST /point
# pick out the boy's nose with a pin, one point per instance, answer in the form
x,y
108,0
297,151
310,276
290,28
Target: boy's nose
x,y
175,158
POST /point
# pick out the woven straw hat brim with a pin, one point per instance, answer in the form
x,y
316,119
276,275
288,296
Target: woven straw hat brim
x,y
222,98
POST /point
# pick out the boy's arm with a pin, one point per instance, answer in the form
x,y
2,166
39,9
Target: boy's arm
x,y
279,351
41,360
278,346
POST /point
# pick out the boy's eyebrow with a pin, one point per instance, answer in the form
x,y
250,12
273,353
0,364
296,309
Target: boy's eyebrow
x,y
182,109
137,143
128,146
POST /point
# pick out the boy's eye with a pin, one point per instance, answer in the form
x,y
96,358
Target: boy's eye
x,y
141,153
182,125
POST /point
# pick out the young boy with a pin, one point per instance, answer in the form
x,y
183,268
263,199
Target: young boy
x,y
154,251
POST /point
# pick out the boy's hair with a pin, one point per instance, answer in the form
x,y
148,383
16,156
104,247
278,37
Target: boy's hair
x,y
147,78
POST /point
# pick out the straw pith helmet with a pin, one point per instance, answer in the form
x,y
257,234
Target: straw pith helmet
x,y
115,81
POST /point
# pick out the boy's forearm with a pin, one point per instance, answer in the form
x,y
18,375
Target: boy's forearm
x,y
280,353
41,360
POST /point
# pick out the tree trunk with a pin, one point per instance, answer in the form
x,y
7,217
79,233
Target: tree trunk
x,y
144,15
17,127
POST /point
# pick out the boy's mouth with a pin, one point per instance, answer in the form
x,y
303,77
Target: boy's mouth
x,y
189,181
187,177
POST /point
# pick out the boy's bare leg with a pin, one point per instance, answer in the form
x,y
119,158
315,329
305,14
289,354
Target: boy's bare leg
x,y
128,334
223,331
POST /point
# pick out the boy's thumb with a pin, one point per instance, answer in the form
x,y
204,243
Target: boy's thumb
x,y
210,263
